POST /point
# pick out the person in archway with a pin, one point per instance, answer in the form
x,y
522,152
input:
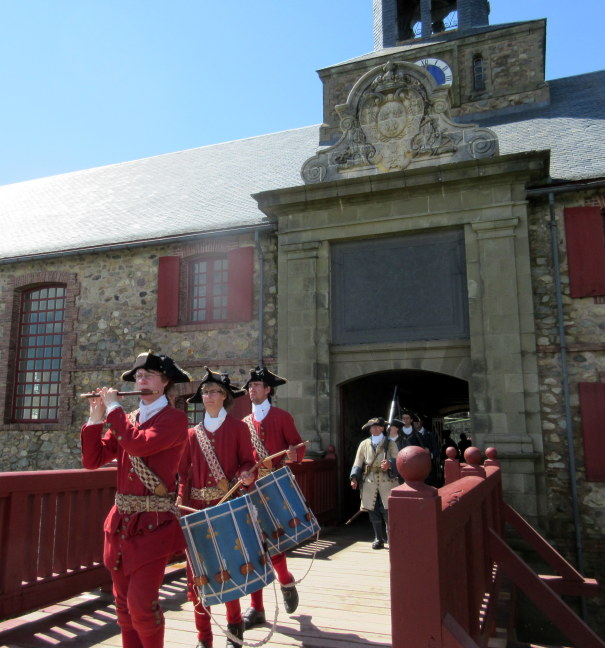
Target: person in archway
x,y
447,442
271,430
463,444
395,436
429,441
372,475
408,436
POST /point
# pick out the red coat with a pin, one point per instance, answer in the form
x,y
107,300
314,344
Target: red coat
x,y
138,538
278,432
231,444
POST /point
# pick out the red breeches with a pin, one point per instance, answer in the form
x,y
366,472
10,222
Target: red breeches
x,y
138,606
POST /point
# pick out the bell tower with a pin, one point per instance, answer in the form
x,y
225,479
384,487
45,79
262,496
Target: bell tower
x,y
399,21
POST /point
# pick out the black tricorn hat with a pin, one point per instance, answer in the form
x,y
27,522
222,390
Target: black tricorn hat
x,y
157,362
262,374
397,423
221,379
378,420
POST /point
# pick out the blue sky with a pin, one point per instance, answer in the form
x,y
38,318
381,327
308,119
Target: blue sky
x,y
87,83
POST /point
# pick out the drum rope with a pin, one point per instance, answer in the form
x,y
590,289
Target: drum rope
x,y
268,510
302,578
287,505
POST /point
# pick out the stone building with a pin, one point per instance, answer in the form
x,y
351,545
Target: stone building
x,y
440,232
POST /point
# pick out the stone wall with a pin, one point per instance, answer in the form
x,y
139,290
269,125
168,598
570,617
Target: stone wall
x,y
115,320
584,323
513,69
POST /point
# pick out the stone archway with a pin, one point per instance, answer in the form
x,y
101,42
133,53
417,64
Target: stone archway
x,y
429,393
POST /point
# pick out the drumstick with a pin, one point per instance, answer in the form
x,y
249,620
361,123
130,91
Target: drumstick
x,y
256,466
259,463
187,508
230,492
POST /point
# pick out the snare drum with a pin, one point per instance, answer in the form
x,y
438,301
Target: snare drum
x,y
283,514
226,551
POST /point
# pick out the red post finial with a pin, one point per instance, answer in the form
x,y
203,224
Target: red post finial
x,y
492,457
414,465
473,457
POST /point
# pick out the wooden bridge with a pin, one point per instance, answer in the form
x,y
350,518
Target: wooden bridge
x,y
440,584
333,612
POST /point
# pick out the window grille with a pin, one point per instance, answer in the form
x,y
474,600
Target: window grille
x,y
39,355
209,290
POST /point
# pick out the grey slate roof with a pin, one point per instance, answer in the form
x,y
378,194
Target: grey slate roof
x,y
572,126
209,188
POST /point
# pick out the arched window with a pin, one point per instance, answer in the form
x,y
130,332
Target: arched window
x,y
478,72
39,355
37,342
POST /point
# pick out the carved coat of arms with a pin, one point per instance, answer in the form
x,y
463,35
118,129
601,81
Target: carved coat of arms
x,y
397,117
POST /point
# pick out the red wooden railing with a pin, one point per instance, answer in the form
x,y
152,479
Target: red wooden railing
x,y
51,536
318,482
51,523
448,557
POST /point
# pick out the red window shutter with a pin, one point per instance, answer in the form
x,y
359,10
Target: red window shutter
x,y
585,236
168,291
592,409
240,295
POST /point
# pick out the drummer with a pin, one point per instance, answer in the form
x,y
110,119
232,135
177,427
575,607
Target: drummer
x,y
218,453
271,430
142,530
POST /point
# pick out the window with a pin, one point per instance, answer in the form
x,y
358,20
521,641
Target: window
x,y
195,413
39,355
209,289
478,73
206,289
585,240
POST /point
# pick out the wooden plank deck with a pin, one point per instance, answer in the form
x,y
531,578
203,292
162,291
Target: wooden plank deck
x,y
344,601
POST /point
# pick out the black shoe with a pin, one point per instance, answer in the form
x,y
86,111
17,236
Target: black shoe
x,y
236,629
290,598
377,544
253,617
202,644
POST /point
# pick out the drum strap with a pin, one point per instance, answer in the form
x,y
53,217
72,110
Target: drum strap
x,y
142,470
211,459
256,441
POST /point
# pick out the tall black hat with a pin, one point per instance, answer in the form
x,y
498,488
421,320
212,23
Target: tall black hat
x,y
378,420
157,362
221,379
262,374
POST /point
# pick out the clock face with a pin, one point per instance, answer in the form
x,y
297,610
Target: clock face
x,y
441,71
